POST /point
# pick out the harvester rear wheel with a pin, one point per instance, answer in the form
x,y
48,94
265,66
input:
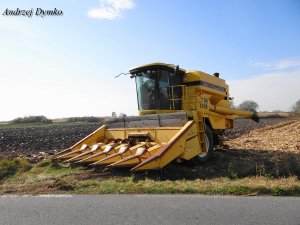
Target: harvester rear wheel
x,y
204,156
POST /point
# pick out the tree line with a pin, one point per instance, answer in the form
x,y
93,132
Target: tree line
x,y
253,106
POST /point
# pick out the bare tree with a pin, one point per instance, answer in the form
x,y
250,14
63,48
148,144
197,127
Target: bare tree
x,y
113,114
249,105
296,107
122,115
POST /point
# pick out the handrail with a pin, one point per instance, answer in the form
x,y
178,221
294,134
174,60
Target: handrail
x,y
183,91
185,98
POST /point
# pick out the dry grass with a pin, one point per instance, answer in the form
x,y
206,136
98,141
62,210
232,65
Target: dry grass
x,y
50,178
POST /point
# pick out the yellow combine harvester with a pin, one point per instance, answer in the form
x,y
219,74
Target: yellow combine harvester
x,y
182,113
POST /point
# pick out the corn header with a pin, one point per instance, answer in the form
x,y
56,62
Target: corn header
x,y
181,115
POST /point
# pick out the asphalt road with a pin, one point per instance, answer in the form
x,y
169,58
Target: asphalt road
x,y
148,209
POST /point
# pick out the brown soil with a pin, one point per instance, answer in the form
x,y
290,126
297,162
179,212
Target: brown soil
x,y
27,139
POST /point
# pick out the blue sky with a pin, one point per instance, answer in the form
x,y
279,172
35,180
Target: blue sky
x,y
65,66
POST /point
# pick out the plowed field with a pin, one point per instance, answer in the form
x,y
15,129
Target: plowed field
x,y
270,147
30,139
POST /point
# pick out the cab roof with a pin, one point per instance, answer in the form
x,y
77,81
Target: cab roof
x,y
155,65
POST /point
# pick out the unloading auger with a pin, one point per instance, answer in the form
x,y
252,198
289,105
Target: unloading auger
x,y
182,113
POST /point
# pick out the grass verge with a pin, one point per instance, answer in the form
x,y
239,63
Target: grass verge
x,y
10,167
50,177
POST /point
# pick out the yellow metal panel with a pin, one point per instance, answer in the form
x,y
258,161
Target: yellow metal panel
x,y
113,158
160,134
135,159
70,154
146,112
128,162
170,151
191,76
217,122
118,156
192,148
224,110
91,139
84,155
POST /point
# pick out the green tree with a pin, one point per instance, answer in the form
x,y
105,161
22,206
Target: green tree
x,y
249,105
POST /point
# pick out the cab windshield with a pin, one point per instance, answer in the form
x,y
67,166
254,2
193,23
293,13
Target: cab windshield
x,y
153,89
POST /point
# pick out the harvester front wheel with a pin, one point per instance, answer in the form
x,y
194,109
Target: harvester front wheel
x,y
204,156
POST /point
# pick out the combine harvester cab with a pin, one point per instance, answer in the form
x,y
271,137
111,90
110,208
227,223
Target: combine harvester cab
x,y
182,113
141,143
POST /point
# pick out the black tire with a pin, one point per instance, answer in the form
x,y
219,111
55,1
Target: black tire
x,y
204,156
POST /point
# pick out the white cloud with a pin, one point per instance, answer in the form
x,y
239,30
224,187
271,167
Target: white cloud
x,y
278,65
289,63
108,13
120,4
110,9
277,90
